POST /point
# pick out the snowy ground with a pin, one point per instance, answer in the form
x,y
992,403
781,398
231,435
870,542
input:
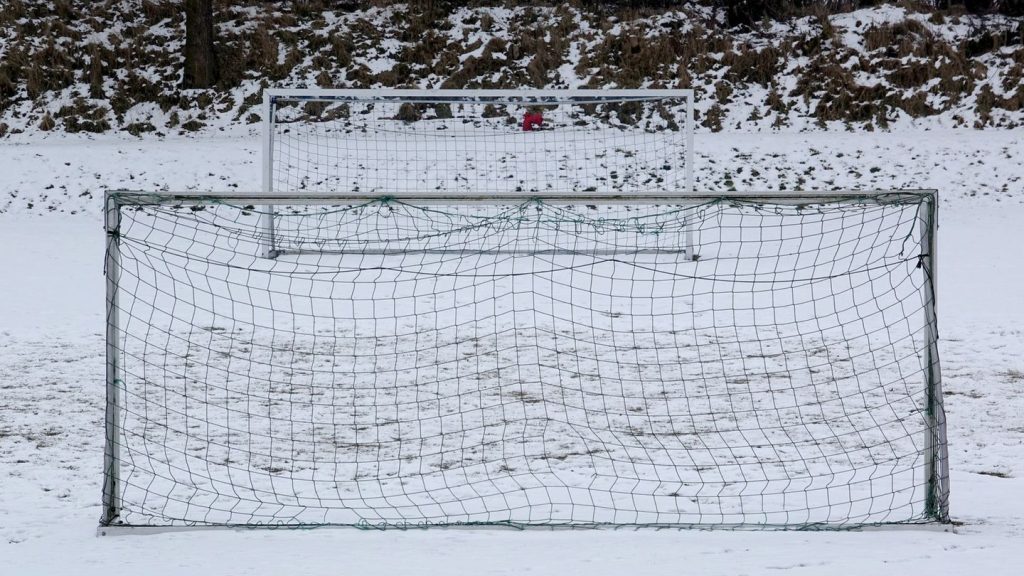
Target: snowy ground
x,y
51,374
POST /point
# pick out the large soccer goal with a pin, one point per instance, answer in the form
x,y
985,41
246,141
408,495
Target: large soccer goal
x,y
556,360
468,142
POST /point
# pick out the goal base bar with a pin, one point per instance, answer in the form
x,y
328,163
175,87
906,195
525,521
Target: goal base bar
x,y
925,526
498,251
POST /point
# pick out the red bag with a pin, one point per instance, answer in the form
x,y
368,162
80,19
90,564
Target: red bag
x,y
532,121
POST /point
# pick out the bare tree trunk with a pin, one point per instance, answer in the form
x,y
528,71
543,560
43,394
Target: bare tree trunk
x,y
200,60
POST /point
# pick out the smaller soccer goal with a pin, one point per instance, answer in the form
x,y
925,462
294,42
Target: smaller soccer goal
x,y
556,360
524,143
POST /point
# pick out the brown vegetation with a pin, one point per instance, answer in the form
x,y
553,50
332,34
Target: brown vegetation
x,y
84,66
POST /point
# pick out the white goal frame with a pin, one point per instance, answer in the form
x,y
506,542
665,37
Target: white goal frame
x,y
935,446
449,96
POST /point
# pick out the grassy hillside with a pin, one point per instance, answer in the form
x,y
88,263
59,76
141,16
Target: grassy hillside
x,y
80,66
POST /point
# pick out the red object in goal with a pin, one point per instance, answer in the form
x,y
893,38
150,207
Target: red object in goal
x,y
532,121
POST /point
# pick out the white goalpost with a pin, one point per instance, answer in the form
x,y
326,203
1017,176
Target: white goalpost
x,y
472,142
549,358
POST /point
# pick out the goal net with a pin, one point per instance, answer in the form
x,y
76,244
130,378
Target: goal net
x,y
553,361
468,142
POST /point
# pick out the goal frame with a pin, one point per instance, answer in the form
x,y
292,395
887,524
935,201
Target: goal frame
x,y
450,96
935,453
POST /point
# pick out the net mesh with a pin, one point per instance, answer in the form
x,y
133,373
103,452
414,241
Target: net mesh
x,y
533,363
479,145
471,144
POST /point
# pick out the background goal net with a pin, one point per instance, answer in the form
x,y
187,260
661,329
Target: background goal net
x,y
468,142
543,361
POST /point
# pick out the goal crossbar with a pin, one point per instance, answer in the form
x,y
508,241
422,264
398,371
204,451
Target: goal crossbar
x,y
483,95
126,197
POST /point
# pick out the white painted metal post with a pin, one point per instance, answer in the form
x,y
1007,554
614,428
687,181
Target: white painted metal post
x,y
268,243
689,143
112,445
691,250
428,95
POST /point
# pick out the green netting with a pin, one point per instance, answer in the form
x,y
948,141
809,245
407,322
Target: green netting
x,y
526,363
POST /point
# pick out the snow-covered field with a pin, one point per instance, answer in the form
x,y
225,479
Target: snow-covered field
x,y
51,373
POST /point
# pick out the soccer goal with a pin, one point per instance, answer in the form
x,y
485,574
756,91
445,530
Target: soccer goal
x,y
468,142
556,360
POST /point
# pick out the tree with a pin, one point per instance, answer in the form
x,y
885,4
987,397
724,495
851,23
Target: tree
x,y
978,6
1013,8
750,12
200,59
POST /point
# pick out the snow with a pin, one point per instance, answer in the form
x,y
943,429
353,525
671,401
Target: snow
x,y
51,373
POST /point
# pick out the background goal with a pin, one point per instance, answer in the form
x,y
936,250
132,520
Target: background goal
x,y
555,361
468,142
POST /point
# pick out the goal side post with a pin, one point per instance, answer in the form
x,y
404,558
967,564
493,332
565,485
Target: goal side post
x,y
936,449
269,250
111,453
691,252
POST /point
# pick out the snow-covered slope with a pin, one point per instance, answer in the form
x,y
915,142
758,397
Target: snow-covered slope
x,y
96,67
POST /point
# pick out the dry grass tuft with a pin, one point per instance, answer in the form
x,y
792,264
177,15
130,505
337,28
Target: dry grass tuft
x,y
157,11
47,123
83,116
754,66
408,112
899,39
